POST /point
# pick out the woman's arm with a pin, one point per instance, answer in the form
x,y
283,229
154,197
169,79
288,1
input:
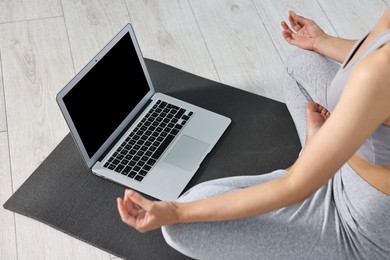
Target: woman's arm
x,y
306,34
363,106
334,48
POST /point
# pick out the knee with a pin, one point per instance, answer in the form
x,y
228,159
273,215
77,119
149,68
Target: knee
x,y
170,234
176,237
301,62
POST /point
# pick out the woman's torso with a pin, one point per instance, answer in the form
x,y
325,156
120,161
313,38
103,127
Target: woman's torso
x,y
372,161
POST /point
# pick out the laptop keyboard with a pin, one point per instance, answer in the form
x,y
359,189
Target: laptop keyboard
x,y
142,148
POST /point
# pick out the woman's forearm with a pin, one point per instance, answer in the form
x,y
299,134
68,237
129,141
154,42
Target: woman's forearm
x,y
248,202
334,48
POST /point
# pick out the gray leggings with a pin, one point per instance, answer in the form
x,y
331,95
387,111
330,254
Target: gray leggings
x,y
321,227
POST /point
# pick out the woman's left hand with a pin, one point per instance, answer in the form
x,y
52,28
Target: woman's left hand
x,y
145,215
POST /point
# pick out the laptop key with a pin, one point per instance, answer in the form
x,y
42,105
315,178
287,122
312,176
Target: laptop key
x,y
139,178
126,170
163,104
174,131
119,168
141,163
143,172
116,162
180,113
151,162
132,174
162,147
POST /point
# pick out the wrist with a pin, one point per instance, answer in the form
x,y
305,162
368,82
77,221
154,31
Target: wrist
x,y
320,41
179,210
186,212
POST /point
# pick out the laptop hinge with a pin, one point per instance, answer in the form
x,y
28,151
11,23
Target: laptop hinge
x,y
124,130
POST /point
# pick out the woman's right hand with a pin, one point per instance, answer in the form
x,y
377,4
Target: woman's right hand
x,y
145,215
305,33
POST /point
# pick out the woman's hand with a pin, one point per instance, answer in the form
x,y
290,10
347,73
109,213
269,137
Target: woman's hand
x,y
304,34
145,215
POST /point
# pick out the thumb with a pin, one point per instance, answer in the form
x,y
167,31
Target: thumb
x,y
139,199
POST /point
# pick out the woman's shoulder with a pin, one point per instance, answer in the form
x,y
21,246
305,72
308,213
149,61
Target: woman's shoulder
x,y
375,67
370,81
383,23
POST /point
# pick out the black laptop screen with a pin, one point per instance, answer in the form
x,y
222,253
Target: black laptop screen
x,y
103,98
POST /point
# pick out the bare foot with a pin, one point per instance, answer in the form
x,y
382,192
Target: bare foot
x,y
316,117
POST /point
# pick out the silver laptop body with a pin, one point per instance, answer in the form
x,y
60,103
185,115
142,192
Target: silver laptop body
x,y
105,106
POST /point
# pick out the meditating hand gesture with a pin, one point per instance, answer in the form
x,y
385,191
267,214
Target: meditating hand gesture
x,y
304,34
143,214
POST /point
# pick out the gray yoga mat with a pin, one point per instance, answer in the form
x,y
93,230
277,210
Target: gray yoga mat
x,y
63,193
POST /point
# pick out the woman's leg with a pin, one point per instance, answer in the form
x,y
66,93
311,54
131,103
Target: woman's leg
x,y
303,231
308,77
365,212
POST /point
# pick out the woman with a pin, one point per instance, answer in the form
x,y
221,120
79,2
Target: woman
x,y
333,202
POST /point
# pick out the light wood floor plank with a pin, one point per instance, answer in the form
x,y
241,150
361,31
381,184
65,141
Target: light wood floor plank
x,y
18,10
353,19
91,24
39,241
36,64
3,122
167,32
7,223
240,46
273,12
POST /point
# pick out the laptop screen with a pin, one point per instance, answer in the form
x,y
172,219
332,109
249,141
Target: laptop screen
x,y
103,98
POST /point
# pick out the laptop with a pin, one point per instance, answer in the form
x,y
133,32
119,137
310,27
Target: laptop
x,y
128,133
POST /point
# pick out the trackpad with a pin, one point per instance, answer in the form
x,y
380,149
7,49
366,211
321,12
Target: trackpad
x,y
187,153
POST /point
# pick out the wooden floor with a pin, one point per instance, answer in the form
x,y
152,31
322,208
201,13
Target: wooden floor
x,y
44,43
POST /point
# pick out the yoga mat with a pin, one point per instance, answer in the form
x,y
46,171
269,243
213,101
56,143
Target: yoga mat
x,y
65,195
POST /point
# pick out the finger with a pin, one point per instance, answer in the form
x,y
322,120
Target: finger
x,y
293,21
131,207
124,214
287,34
286,28
288,38
139,200
299,20
129,204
